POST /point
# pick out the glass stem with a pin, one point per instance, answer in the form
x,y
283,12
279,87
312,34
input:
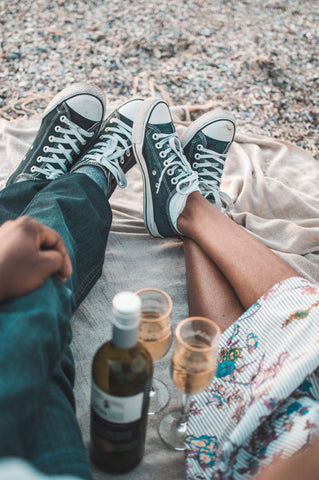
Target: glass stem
x,y
182,422
152,391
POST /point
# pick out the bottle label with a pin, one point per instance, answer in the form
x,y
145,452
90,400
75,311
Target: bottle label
x,y
116,409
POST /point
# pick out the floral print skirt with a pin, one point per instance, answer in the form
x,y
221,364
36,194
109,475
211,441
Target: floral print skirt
x,y
263,403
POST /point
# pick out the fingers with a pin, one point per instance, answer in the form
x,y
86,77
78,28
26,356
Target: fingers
x,y
49,240
52,262
30,253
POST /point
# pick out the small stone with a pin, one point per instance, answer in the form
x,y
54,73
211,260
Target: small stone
x,y
13,56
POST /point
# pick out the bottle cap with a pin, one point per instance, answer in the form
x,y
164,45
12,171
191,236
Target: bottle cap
x,y
126,310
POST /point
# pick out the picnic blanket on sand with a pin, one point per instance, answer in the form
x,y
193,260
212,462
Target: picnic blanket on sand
x,y
274,187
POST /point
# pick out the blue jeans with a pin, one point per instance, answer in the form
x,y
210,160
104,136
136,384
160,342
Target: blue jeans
x,y
37,420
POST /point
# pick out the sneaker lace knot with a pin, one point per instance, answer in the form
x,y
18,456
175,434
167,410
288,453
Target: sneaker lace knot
x,y
175,164
111,149
210,166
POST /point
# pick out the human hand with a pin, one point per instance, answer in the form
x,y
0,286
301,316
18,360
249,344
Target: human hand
x,y
29,253
301,466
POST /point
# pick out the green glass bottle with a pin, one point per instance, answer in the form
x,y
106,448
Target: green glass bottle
x,y
121,379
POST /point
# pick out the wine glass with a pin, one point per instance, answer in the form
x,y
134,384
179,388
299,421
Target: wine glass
x,y
193,366
155,333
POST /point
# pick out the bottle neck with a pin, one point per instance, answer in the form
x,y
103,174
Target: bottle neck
x,y
124,338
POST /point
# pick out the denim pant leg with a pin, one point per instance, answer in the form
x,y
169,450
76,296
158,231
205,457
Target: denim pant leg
x,y
79,211
35,329
16,197
57,448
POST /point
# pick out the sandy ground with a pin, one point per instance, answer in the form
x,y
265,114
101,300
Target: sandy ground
x,y
258,58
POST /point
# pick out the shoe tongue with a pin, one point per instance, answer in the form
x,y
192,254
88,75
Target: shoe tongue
x,y
166,128
217,145
124,119
82,122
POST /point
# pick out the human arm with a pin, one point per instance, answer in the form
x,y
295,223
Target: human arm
x,y
29,253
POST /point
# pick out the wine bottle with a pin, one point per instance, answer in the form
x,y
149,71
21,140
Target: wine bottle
x,y
121,379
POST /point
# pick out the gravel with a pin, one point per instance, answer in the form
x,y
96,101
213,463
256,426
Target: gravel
x,y
258,58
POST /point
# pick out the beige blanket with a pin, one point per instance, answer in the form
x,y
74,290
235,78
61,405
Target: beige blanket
x,y
274,187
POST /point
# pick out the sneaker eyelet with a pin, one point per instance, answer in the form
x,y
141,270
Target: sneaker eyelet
x,y
57,128
128,153
157,145
170,172
156,185
162,154
45,149
62,118
200,146
174,181
122,161
155,136
195,165
32,169
197,156
165,163
154,172
39,159
51,138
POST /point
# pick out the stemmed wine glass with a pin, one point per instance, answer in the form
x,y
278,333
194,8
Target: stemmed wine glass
x,y
155,333
193,366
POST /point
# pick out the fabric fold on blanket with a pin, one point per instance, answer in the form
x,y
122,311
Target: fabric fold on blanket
x,y
273,185
274,188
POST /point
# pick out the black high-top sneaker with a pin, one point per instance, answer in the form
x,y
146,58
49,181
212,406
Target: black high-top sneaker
x,y
112,152
167,176
71,123
205,143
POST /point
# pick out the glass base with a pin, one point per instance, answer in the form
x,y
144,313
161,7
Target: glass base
x,y
172,430
159,397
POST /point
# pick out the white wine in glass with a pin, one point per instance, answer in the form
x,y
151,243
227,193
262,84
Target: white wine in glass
x,y
193,367
155,334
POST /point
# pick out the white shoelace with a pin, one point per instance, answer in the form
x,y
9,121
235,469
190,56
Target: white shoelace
x,y
111,148
176,165
210,166
56,159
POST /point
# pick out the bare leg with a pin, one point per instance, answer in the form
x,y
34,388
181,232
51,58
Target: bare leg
x,y
249,266
209,293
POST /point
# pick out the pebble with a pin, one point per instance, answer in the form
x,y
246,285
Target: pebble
x,y
258,58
